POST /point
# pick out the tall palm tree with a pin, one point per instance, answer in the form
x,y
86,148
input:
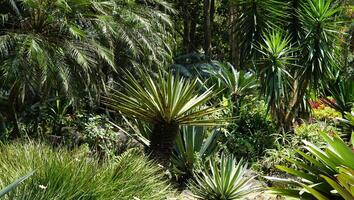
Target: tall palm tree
x,y
166,103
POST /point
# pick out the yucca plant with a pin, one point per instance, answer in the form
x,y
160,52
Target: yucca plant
x,y
226,180
322,174
254,17
321,30
192,147
166,103
274,70
13,185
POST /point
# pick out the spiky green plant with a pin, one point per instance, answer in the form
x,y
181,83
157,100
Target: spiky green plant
x,y
323,174
166,103
226,180
274,67
255,17
192,147
321,30
295,62
70,175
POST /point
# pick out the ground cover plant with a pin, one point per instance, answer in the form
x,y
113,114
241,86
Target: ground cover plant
x,y
63,174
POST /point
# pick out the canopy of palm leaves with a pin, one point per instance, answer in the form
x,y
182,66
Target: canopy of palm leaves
x,y
69,45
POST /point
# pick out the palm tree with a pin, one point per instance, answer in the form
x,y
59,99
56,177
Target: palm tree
x,y
166,103
52,45
72,45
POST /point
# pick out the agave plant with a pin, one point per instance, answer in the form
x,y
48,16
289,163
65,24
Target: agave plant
x,y
166,103
227,181
323,174
13,185
191,146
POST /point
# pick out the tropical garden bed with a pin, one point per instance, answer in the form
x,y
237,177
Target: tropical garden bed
x,y
176,100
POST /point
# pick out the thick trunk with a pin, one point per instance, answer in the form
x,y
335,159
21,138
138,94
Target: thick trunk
x,y
162,142
207,28
285,114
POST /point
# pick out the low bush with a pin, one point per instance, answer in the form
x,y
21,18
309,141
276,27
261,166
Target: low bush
x,y
286,143
251,133
71,175
75,129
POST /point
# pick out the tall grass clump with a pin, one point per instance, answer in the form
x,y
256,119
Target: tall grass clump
x,y
64,175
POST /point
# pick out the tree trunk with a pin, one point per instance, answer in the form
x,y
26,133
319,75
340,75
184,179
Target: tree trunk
x,y
187,32
193,29
207,27
233,37
162,142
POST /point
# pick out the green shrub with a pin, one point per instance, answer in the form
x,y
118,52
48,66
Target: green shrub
x,y
64,175
286,143
251,133
74,129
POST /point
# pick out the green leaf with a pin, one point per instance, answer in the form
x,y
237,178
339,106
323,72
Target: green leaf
x,y
13,185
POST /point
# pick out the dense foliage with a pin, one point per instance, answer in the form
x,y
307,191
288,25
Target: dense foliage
x,y
193,85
